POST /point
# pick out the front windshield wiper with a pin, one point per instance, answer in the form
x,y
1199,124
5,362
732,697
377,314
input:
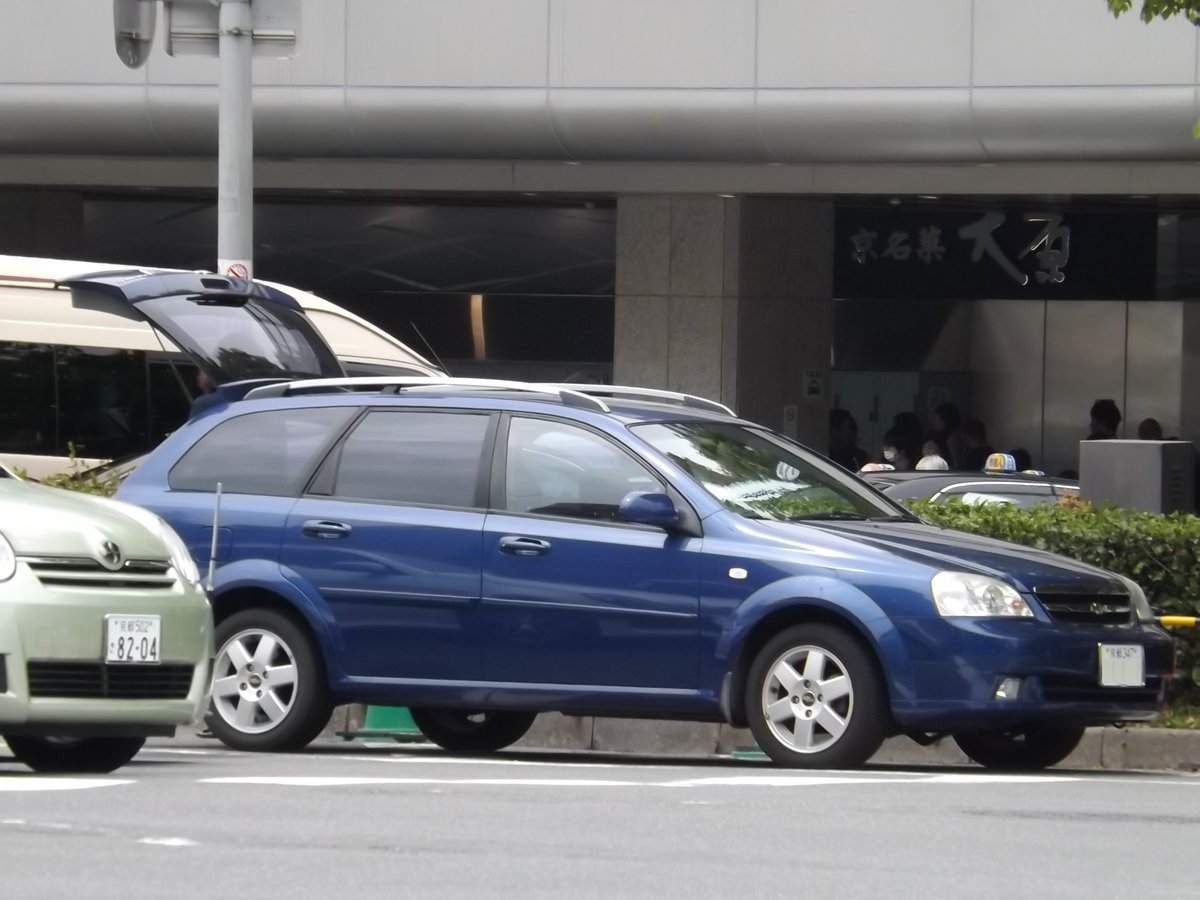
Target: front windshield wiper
x,y
895,517
830,515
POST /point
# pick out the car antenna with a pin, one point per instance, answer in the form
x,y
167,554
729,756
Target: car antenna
x,y
428,346
212,552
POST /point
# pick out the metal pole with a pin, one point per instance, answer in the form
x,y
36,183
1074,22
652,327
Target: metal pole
x,y
235,150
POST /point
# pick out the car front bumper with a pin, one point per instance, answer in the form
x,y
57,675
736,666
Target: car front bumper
x,y
958,667
53,677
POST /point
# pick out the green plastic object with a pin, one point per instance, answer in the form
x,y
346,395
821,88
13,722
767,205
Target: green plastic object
x,y
394,723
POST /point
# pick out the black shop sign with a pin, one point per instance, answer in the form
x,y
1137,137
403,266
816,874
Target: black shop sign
x,y
1001,252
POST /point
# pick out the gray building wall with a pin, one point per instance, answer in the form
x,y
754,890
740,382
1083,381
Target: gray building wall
x,y
666,106
732,81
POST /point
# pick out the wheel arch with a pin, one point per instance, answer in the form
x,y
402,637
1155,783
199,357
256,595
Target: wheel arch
x,y
836,604
239,590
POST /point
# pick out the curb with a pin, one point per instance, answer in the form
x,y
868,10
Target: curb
x,y
1110,748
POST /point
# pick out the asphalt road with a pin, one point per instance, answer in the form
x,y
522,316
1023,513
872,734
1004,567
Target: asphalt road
x,y
190,819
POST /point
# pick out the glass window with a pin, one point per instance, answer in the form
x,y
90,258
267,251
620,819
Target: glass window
x,y
251,339
762,476
27,419
28,423
559,469
1023,496
102,401
414,457
271,452
171,383
107,403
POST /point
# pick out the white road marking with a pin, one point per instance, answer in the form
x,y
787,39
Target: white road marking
x,y
775,781
34,783
336,781
168,842
184,751
979,778
476,761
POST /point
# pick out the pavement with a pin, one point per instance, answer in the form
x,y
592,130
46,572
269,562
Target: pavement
x,y
1132,748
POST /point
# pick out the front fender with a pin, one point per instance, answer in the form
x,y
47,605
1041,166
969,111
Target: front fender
x,y
297,592
829,599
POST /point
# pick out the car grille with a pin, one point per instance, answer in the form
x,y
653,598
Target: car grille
x,y
1073,607
134,574
70,679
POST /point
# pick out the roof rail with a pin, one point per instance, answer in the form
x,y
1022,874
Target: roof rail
x,y
633,393
566,393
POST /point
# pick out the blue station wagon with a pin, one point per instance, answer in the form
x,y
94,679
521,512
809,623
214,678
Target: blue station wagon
x,y
481,552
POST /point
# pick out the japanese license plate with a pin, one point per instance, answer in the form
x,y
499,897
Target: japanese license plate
x,y
132,639
1122,665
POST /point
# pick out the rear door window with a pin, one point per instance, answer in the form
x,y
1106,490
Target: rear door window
x,y
422,457
271,452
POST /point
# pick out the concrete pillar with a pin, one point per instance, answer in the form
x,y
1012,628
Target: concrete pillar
x,y
1189,413
731,299
41,223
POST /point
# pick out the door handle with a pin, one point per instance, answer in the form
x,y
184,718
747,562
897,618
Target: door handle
x,y
319,528
524,546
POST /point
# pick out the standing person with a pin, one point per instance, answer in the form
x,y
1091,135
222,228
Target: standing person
x,y
978,449
932,457
1150,430
907,426
208,396
843,441
947,429
897,451
1106,418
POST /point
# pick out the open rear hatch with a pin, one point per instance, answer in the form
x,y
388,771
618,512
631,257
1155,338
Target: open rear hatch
x,y
233,330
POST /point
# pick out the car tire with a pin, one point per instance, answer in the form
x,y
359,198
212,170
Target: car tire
x,y
815,699
94,755
464,731
249,710
1019,749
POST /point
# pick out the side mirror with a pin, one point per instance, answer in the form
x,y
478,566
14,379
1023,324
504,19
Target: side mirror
x,y
646,508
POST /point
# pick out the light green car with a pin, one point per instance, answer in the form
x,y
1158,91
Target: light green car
x,y
105,631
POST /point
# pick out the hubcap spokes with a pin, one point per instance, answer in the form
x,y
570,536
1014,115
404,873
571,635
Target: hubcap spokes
x,y
254,683
808,699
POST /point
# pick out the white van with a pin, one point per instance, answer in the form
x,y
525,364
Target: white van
x,y
77,372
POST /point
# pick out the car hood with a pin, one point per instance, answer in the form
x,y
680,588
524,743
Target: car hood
x,y
234,330
942,549
44,521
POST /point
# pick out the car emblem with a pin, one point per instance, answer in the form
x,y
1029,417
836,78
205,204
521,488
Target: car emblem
x,y
110,555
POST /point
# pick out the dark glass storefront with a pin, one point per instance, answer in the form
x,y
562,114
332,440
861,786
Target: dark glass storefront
x,y
487,287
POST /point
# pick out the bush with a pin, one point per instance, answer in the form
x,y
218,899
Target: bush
x,y
1160,552
81,478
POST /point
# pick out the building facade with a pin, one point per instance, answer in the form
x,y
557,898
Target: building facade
x,y
785,205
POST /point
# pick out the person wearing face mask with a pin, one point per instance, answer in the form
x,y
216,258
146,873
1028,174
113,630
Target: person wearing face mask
x,y
896,451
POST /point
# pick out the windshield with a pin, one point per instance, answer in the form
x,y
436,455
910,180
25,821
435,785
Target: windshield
x,y
762,476
243,339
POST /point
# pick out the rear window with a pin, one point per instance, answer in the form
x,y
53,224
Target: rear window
x,y
432,458
270,452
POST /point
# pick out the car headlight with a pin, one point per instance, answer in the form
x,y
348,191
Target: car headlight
x,y
1141,605
964,594
8,559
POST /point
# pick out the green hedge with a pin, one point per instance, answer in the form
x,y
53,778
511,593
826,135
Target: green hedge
x,y
1161,553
